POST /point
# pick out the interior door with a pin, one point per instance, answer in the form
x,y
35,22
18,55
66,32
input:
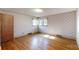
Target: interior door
x,y
0,27
7,28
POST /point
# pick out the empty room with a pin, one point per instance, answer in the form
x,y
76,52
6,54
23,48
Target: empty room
x,y
38,29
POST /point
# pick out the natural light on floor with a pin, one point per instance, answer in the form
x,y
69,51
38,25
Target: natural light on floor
x,y
49,36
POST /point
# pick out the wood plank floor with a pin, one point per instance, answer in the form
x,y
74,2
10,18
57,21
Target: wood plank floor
x,y
39,42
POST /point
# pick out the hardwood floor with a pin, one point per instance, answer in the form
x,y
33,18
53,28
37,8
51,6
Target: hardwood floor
x,y
39,42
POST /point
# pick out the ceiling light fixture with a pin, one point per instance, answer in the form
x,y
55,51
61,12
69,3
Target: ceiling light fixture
x,y
38,10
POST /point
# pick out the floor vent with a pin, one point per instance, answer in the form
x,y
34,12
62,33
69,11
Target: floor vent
x,y
59,36
29,33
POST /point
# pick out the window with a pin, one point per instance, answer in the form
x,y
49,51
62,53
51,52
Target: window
x,y
35,21
43,21
40,21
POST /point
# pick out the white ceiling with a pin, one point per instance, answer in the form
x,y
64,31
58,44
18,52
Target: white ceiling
x,y
47,11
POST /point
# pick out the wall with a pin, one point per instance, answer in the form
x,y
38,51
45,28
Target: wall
x,y
61,24
22,23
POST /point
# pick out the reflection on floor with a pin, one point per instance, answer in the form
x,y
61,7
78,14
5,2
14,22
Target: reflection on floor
x,y
40,42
